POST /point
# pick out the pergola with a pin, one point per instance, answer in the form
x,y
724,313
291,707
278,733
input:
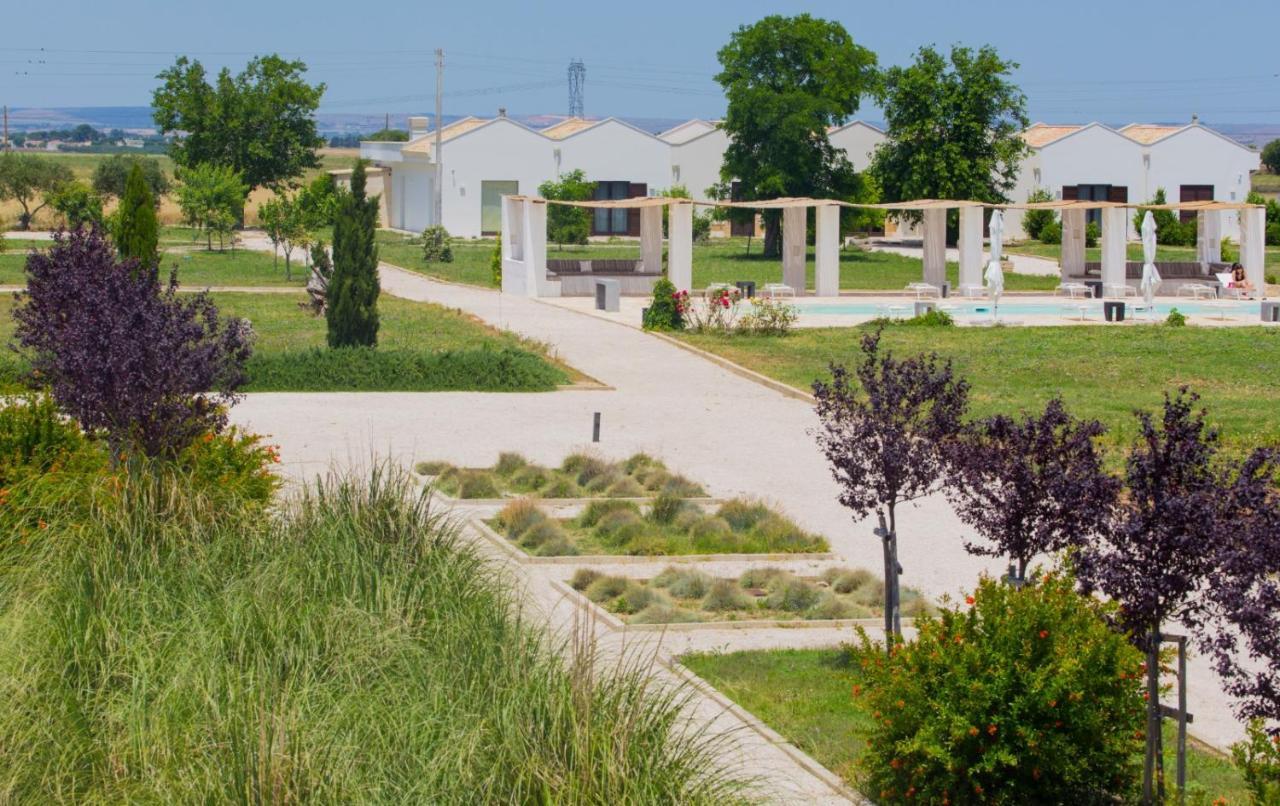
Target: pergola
x,y
524,237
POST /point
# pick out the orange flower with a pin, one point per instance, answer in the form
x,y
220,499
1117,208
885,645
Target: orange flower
x,y
973,731
1044,633
991,730
857,690
969,600
896,763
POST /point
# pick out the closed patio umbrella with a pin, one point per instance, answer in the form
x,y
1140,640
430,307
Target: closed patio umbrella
x,y
994,274
1150,277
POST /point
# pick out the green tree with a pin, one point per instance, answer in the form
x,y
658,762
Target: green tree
x,y
261,122
318,201
1170,230
210,196
110,175
1271,156
389,136
136,231
495,264
567,224
31,181
272,217
1034,221
352,302
952,128
787,80
78,204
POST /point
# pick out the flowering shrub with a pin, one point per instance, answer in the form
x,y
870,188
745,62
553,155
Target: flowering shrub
x,y
663,312
236,463
1016,696
768,317
717,311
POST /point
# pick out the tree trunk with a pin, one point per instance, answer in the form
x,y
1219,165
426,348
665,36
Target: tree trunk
x,y
1153,768
773,236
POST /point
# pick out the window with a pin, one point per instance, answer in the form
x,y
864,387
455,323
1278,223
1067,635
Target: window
x,y
1192,193
606,221
1107,193
491,193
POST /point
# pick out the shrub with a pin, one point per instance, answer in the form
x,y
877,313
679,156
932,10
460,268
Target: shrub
x,y
1273,235
476,484
639,461
689,585
780,534
540,532
135,230
625,487
709,529
759,578
597,510
557,546
1051,233
1229,252
1034,221
614,522
495,264
582,578
437,245
1092,232
1023,696
1176,318
741,515
933,318
566,224
237,462
663,313
724,596
843,580
664,614
509,464
792,595
33,435
829,606
530,478
560,487
1258,760
150,368
666,507
768,317
606,588
78,204
680,487
517,516
635,598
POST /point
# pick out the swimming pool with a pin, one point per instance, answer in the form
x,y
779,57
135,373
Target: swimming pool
x,y
1063,307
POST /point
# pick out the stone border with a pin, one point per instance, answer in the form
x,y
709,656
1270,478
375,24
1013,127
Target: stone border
x,y
616,623
525,558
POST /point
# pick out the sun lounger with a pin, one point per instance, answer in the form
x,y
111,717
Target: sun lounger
x,y
775,290
923,290
1196,291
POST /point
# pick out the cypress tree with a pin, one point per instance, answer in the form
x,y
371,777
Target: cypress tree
x,y
136,230
352,312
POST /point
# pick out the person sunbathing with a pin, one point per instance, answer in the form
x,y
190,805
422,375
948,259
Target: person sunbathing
x,y
1240,281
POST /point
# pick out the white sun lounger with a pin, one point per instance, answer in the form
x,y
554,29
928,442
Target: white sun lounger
x,y
775,290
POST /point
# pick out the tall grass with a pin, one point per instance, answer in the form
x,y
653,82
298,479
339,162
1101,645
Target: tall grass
x,y
348,649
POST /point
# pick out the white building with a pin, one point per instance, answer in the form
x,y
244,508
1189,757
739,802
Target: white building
x,y
1094,162
484,160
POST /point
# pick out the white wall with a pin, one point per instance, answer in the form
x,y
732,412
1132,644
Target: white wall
x,y
859,142
1197,156
699,162
615,151
500,150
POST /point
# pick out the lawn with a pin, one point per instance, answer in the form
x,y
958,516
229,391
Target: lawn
x,y
1100,372
1053,251
1266,182
196,266
717,261
804,694
421,347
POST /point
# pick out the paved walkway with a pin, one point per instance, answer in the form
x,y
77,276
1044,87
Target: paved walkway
x,y
1022,264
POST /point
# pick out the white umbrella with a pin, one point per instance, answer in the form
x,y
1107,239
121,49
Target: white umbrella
x,y
995,274
1150,277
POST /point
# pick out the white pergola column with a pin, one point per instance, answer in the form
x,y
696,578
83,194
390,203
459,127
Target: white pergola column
x,y
1209,236
826,269
513,270
680,245
935,247
1253,225
1072,262
651,239
1115,226
971,246
794,248
535,250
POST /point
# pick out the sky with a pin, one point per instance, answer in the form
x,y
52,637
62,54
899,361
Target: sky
x,y
1117,62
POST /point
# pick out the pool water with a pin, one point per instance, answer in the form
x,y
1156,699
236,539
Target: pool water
x,y
1064,307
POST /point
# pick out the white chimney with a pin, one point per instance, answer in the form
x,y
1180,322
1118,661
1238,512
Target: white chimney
x,y
418,126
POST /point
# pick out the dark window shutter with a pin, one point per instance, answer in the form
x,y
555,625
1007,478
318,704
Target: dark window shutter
x,y
1193,193
636,190
1070,192
1118,194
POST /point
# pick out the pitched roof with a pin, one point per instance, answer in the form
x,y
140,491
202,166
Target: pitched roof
x,y
1039,135
566,127
689,130
423,144
1148,133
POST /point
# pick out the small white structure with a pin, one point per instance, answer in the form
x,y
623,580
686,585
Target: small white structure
x,y
1096,163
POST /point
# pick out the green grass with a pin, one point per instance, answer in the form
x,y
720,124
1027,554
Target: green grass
x,y
1053,251
348,648
1266,182
805,694
1101,373
718,261
421,347
197,267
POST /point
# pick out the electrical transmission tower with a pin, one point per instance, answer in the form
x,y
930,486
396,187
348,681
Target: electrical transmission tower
x,y
577,78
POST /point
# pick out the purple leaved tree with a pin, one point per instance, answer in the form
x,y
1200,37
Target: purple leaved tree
x,y
1245,598
881,431
124,354
1159,554
1029,486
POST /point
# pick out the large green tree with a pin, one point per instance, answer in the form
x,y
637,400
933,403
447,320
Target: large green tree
x,y
261,122
32,182
352,303
110,175
1271,156
211,197
952,127
567,224
787,80
135,228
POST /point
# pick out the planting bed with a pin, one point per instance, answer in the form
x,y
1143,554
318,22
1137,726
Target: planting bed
x,y
764,594
669,525
579,476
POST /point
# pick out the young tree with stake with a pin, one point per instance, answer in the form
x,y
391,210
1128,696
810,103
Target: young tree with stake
x,y
881,429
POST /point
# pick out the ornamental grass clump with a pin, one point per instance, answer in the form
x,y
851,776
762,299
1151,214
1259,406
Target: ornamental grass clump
x,y
1015,696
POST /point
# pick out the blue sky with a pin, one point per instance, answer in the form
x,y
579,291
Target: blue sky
x,y
1114,61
